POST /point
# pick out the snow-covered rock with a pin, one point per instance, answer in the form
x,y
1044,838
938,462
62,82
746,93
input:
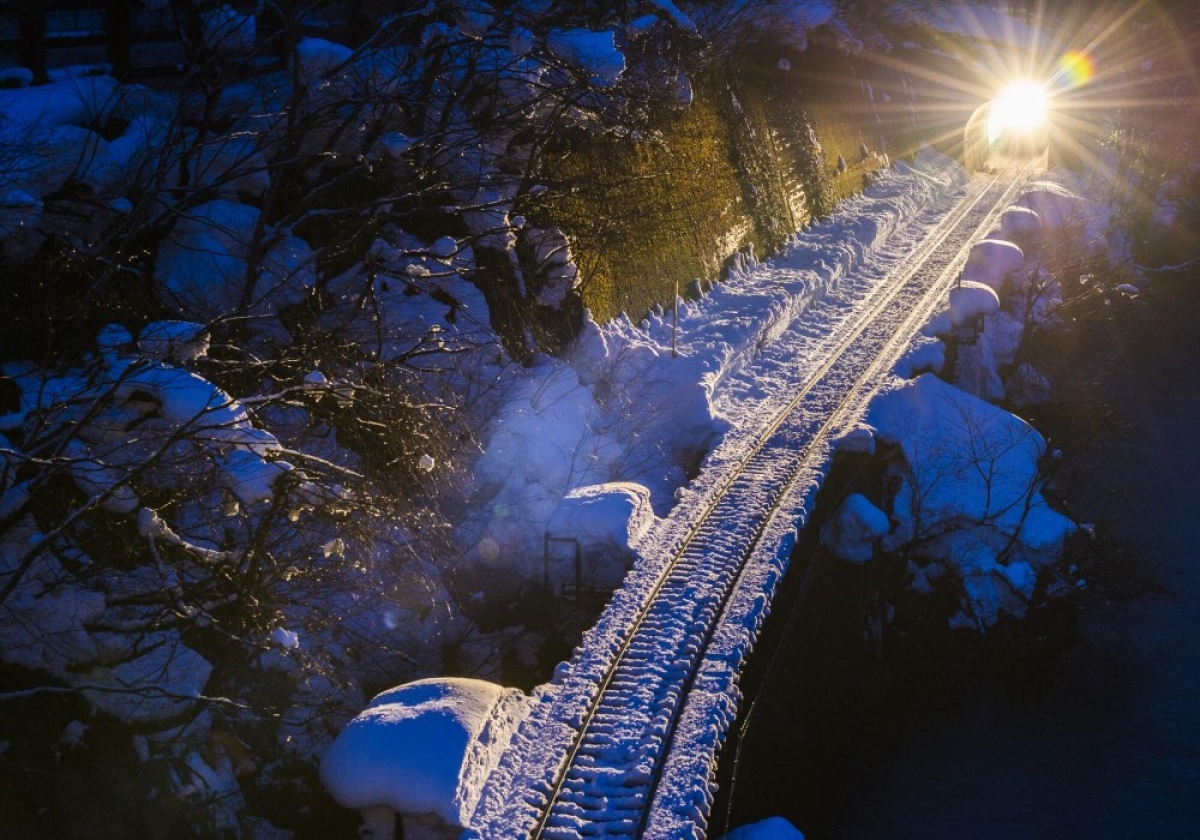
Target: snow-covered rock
x,y
228,30
423,748
970,484
860,439
970,300
926,354
606,519
992,261
593,52
600,516
204,266
1055,205
1018,222
855,527
319,57
1028,387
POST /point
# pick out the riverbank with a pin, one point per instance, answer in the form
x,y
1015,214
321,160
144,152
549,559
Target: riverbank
x,y
1100,740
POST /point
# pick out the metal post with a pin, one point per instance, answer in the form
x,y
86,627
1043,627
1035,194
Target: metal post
x,y
675,322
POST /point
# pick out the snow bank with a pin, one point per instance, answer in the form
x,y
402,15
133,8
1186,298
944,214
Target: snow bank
x,y
424,747
623,408
157,680
228,30
319,57
418,293
178,341
606,519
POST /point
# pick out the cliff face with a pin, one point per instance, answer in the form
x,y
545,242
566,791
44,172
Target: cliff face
x,y
766,146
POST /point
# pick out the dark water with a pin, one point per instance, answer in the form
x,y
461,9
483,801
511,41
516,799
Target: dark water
x,y
1100,741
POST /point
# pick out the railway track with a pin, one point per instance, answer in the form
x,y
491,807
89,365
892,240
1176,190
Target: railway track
x,y
597,758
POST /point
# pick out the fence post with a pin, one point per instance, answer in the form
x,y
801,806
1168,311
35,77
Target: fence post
x,y
675,322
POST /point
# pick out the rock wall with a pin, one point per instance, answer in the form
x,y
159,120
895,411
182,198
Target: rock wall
x,y
765,147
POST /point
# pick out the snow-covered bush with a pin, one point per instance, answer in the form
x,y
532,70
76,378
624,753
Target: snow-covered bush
x,y
258,324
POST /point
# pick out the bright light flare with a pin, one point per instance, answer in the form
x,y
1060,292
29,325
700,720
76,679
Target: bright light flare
x,y
1021,107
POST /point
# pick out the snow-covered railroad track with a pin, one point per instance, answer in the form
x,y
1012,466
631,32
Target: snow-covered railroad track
x,y
624,741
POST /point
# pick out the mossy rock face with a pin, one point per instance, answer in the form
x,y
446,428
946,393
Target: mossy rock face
x,y
644,213
753,159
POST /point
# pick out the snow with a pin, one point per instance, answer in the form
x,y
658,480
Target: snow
x,y
1019,221
969,491
749,343
285,638
860,439
855,527
970,300
156,678
16,77
993,261
319,57
1055,204
1027,387
604,515
204,264
179,341
250,477
926,354
473,17
228,30
606,520
678,18
596,445
424,747
772,828
621,407
593,52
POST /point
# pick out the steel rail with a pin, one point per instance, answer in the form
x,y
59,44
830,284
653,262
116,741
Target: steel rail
x,y
849,409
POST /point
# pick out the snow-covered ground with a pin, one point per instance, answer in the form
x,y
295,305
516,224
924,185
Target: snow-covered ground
x,y
739,352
